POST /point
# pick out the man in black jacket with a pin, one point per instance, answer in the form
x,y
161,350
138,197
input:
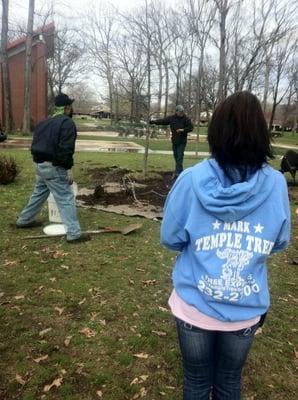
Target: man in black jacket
x,y
52,149
180,125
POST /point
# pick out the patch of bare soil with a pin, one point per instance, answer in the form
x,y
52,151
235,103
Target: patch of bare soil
x,y
117,186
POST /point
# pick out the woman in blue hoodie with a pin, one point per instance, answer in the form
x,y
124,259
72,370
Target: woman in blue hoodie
x,y
225,216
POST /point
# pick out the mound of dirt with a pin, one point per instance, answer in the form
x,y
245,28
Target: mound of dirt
x,y
116,186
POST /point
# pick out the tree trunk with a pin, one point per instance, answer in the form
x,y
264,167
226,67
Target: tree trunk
x,y
178,87
274,105
166,88
28,70
145,165
199,99
5,69
222,51
160,78
132,101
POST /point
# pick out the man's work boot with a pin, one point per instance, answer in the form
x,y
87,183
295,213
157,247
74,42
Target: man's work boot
x,y
85,237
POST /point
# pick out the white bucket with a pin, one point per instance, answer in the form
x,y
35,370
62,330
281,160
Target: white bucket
x,y
54,215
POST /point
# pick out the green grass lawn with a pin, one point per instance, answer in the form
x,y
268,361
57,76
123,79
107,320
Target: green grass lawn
x,y
114,288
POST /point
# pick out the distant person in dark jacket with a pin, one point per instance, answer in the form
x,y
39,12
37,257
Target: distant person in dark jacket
x,y
3,137
52,149
180,126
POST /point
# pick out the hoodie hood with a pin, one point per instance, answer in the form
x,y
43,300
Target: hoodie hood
x,y
226,199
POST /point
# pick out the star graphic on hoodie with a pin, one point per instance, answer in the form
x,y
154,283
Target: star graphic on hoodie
x,y
216,224
258,228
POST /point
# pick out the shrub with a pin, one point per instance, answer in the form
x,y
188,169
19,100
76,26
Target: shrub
x,y
8,170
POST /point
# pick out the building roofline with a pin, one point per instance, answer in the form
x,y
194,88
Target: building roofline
x,y
46,30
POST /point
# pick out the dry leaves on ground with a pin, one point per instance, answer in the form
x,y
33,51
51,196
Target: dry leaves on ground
x,y
139,379
59,310
44,332
141,355
20,380
159,333
149,282
87,332
142,393
56,383
67,341
19,297
42,358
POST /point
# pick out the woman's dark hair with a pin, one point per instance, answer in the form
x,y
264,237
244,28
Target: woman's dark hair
x,y
238,135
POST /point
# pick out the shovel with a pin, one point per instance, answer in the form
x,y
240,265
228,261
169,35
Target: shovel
x,y
124,231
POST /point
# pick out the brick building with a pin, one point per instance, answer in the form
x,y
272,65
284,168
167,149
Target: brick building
x,y
42,48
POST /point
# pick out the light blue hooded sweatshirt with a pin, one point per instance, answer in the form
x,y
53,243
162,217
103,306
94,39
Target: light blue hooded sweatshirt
x,y
225,230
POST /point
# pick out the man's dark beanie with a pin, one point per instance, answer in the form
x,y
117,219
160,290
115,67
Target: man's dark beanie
x,y
62,100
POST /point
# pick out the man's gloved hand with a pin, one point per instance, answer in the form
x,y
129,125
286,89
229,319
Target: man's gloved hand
x,y
70,176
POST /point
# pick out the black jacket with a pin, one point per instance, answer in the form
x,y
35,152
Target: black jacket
x,y
175,123
54,140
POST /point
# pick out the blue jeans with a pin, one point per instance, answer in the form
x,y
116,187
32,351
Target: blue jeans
x,y
213,361
52,179
178,152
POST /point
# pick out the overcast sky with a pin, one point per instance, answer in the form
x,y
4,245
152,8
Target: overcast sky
x,y
71,8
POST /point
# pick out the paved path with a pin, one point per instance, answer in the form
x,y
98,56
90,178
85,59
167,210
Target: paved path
x,y
112,146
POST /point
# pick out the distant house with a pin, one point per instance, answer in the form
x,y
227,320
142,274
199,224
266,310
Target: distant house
x,y
100,111
42,48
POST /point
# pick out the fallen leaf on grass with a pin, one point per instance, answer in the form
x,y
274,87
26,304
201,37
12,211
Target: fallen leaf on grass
x,y
59,253
44,332
1,294
7,263
19,297
51,290
141,355
149,282
93,316
53,279
103,322
59,310
131,281
296,353
259,331
140,379
42,358
82,301
163,309
64,266
142,393
159,333
99,393
87,332
56,383
140,270
283,299
67,341
20,380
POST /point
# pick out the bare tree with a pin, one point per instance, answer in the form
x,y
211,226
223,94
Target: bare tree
x,y
201,19
132,67
282,54
65,65
28,69
223,7
99,41
5,68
